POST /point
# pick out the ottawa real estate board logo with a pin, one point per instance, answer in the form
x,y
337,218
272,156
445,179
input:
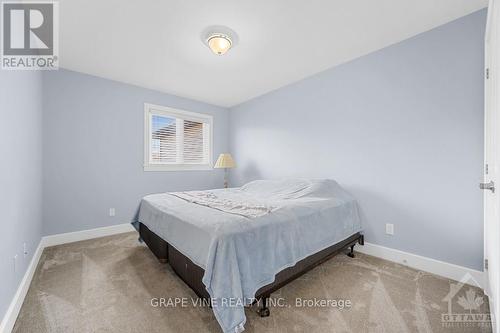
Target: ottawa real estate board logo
x,y
30,38
467,307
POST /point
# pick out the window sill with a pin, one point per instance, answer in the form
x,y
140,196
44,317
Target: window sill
x,y
177,167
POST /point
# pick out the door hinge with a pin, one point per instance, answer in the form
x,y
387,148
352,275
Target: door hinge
x,y
486,169
487,73
485,264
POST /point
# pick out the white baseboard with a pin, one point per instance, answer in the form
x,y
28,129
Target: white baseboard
x,y
441,268
76,236
10,316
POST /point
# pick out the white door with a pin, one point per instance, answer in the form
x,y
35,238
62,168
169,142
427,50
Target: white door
x,y
492,158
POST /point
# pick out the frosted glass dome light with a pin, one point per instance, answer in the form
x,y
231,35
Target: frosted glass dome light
x,y
219,39
219,43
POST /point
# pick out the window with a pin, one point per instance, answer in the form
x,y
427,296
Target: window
x,y
176,139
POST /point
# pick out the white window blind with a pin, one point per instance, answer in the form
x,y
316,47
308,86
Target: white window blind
x,y
176,139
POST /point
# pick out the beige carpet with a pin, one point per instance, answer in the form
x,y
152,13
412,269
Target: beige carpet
x,y
106,285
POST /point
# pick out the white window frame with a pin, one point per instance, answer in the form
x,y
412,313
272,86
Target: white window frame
x,y
152,109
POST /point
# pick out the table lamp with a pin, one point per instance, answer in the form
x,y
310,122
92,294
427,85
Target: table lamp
x,y
225,161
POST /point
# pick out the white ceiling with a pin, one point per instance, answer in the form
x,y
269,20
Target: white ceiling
x,y
156,43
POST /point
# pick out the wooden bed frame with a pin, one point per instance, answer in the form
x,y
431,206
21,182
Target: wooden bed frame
x,y
192,274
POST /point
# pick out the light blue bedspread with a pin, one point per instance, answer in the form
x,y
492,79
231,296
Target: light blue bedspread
x,y
241,254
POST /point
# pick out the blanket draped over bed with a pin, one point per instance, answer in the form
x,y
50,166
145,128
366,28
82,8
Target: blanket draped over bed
x,y
242,237
227,201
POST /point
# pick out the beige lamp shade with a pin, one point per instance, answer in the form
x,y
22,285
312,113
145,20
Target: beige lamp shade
x,y
224,161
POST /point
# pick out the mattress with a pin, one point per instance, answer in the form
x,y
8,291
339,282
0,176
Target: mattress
x,y
242,249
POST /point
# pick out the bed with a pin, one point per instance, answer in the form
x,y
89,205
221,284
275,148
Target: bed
x,y
236,246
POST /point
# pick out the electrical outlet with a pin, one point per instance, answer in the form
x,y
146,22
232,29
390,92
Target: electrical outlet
x,y
25,250
389,229
112,212
15,263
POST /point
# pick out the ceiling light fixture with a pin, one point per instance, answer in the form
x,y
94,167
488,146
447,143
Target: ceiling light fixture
x,y
219,39
219,43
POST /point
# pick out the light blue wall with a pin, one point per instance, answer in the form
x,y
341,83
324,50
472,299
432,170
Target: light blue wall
x,y
401,128
20,175
93,151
